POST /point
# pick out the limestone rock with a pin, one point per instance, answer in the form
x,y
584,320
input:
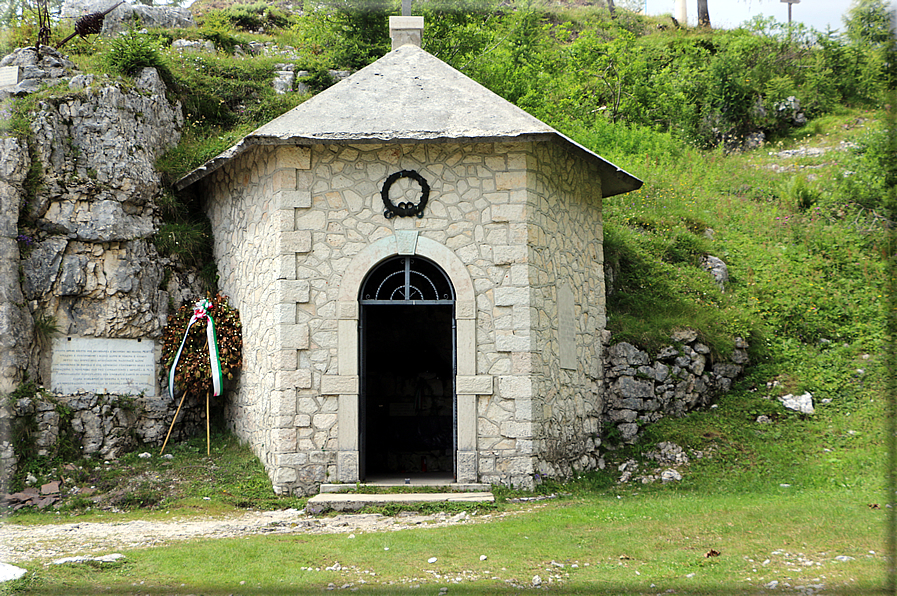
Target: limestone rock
x,y
123,17
801,403
36,69
717,268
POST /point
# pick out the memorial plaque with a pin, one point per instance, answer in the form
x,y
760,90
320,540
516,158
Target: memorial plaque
x,y
9,76
566,327
99,365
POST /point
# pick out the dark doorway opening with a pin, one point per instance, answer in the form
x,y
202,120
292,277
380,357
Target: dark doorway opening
x,y
407,352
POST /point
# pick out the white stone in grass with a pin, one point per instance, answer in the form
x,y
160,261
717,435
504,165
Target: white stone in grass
x,y
10,572
145,455
670,475
843,558
483,557
432,560
537,581
800,403
771,585
104,559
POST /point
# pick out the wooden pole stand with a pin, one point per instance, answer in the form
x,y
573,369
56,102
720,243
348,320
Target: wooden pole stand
x,y
173,420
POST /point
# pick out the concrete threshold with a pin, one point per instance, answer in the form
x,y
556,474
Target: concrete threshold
x,y
355,501
447,486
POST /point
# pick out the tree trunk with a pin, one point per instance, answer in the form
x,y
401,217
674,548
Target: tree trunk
x,y
611,8
703,14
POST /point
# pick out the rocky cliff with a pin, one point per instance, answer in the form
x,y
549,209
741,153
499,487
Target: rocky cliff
x,y
77,248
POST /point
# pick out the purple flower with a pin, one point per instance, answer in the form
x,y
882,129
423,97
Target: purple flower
x,y
26,240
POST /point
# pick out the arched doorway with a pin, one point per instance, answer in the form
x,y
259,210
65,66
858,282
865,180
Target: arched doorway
x,y
407,364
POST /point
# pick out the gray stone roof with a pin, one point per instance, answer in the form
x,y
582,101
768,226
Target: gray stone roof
x,y
409,96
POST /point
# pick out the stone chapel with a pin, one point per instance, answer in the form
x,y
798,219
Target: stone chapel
x,y
418,266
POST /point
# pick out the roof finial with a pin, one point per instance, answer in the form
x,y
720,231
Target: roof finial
x,y
406,29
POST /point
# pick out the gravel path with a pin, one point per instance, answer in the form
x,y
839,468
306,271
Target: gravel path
x,y
19,543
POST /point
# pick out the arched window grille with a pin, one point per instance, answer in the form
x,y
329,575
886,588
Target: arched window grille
x,y
407,280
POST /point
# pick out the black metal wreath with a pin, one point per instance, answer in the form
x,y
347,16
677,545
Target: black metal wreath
x,y
405,209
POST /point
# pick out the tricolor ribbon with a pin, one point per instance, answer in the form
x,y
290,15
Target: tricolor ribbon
x,y
200,312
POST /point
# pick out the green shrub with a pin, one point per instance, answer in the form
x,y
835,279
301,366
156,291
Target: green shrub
x,y
132,51
189,241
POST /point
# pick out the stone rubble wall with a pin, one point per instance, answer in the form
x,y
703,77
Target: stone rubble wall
x,y
103,426
641,389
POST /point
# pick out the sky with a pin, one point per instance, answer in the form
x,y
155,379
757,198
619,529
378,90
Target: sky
x,y
818,14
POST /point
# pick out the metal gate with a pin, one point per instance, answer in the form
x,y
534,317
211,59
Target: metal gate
x,y
407,316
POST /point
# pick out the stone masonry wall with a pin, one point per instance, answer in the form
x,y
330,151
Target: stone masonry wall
x,y
247,225
104,426
323,203
565,249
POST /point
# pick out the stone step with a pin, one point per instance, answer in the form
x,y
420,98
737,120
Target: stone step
x,y
453,487
355,501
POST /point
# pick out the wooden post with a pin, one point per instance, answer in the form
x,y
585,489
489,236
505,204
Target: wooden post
x,y
173,420
208,434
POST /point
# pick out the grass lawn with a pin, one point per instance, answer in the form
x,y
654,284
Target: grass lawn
x,y
626,543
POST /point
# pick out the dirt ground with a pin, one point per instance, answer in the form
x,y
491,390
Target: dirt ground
x,y
20,543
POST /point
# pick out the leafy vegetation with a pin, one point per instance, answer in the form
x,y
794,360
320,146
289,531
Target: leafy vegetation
x,y
194,370
800,221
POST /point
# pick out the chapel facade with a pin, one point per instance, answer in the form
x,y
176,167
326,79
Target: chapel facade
x,y
418,266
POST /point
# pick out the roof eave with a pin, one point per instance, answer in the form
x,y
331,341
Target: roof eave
x,y
614,180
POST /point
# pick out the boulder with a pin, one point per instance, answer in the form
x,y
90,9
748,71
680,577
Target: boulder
x,y
801,403
125,16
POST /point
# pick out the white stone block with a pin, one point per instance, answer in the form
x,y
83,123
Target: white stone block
x,y
347,466
467,467
515,387
466,339
509,341
284,422
303,420
283,220
517,430
474,385
283,403
465,309
348,310
294,157
508,213
283,476
292,379
293,336
339,385
286,360
292,290
406,241
348,346
510,254
298,241
285,266
511,296
292,199
323,421
284,314
347,436
284,179
283,440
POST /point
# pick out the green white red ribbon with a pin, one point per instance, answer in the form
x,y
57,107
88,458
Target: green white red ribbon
x,y
200,312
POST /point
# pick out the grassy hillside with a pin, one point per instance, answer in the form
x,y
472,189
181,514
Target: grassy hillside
x,y
798,218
